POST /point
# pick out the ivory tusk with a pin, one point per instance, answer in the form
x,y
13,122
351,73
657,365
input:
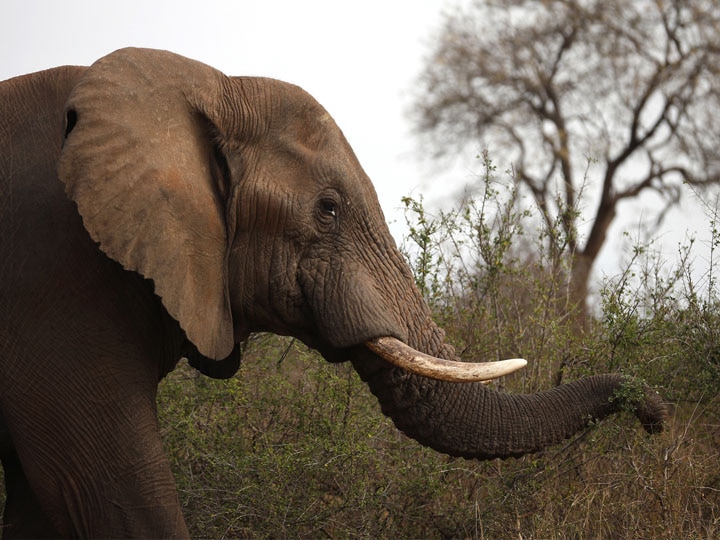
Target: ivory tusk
x,y
403,356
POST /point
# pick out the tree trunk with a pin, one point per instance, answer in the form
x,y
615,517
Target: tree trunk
x,y
579,287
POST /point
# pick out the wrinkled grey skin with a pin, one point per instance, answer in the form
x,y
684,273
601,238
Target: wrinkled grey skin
x,y
153,208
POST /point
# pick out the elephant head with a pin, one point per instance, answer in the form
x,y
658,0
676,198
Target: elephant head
x,y
244,204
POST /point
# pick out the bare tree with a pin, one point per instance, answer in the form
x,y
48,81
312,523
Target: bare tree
x,y
632,86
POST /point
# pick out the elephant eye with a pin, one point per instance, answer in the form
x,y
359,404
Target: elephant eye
x,y
327,213
328,207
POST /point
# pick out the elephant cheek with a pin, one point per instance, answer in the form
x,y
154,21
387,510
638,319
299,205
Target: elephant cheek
x,y
349,309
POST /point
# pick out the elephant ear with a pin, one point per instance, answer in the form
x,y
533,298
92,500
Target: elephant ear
x,y
140,163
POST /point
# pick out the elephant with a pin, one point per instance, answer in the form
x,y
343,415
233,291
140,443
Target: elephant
x,y
153,209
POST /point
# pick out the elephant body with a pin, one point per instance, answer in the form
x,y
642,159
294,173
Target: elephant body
x,y
126,246
57,288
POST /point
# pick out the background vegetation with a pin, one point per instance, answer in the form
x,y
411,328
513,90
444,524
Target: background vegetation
x,y
623,94
294,447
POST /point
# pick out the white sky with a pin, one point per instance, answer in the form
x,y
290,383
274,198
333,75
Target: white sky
x,y
358,59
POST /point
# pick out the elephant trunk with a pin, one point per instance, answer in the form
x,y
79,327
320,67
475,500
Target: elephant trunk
x,y
473,421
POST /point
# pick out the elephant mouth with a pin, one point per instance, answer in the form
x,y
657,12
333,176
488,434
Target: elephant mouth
x,y
403,356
